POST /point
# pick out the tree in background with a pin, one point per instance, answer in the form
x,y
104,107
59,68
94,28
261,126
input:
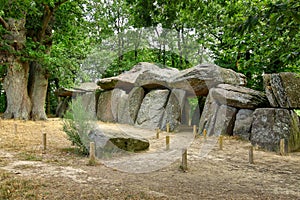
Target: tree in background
x,y
38,42
44,42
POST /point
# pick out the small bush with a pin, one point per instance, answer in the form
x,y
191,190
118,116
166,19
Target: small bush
x,y
77,123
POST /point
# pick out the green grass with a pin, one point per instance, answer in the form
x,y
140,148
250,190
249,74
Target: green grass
x,y
29,157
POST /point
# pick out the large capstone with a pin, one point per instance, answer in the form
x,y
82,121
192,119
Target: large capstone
x,y
238,96
272,124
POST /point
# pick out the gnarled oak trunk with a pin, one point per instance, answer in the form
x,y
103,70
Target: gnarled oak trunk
x,y
37,86
15,82
15,86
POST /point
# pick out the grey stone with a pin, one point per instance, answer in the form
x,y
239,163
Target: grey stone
x,y
243,122
208,116
172,112
291,85
143,74
225,120
114,142
272,124
203,77
196,80
104,111
278,90
269,91
152,109
129,106
116,99
135,100
89,103
238,96
282,89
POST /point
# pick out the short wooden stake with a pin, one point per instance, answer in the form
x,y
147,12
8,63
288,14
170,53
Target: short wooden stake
x,y
194,129
184,160
221,142
282,147
204,133
251,159
44,143
16,128
167,142
157,133
92,160
168,127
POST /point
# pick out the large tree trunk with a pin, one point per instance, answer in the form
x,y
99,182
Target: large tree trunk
x,y
15,86
37,86
15,82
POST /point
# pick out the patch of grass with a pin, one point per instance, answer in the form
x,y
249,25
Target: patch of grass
x,y
74,150
29,157
16,188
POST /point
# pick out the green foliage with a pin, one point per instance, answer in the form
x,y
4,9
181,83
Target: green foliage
x,y
298,112
77,123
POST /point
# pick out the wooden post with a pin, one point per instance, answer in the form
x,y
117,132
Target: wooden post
x,y
282,147
194,129
204,133
92,160
184,160
16,128
44,142
168,127
167,142
221,142
251,159
157,133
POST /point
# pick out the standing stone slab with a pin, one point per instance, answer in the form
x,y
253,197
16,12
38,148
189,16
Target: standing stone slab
x,y
129,106
278,90
269,91
123,111
243,122
116,99
225,120
172,113
89,103
104,111
135,100
152,109
208,117
271,124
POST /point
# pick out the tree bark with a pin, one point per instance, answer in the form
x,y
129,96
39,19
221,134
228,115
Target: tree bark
x,y
15,86
15,82
38,83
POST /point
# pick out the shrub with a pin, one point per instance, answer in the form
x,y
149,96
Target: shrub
x,y
77,123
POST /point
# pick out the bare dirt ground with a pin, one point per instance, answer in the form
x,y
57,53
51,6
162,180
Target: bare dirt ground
x,y
60,173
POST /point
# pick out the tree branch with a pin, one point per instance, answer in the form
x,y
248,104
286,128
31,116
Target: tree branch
x,y
4,23
47,17
59,4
